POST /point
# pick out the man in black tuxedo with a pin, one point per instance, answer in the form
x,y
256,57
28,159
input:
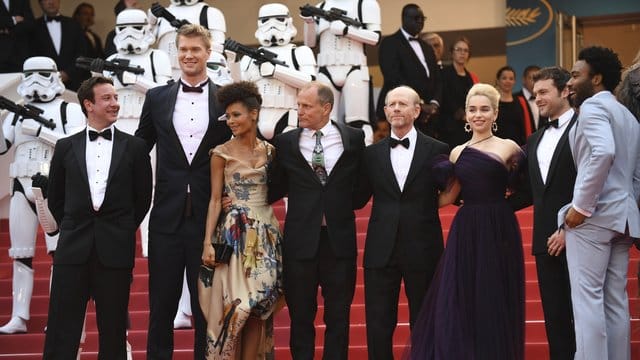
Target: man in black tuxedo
x,y
99,192
317,167
181,120
14,26
62,39
407,60
552,176
404,237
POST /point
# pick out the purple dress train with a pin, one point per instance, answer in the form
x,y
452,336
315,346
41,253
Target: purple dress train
x,y
474,308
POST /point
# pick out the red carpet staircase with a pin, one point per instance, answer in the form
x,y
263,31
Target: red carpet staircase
x,y
29,346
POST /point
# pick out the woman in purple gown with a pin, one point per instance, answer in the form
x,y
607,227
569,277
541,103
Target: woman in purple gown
x,y
474,308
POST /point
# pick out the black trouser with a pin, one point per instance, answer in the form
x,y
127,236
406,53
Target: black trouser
x,y
169,255
555,293
337,278
71,287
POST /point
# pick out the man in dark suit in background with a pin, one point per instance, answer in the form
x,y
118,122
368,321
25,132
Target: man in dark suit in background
x,y
99,191
407,60
181,120
62,39
404,237
317,168
552,174
14,26
536,121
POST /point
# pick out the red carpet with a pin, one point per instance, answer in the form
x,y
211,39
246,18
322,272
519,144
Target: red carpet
x,y
29,346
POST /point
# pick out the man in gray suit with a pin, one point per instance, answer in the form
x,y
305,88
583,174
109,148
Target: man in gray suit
x,y
603,215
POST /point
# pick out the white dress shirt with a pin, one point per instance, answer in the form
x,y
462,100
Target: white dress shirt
x,y
191,118
55,32
549,141
532,105
415,45
401,157
331,145
98,158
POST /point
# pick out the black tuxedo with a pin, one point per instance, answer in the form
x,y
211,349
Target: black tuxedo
x,y
404,237
96,249
400,66
177,219
541,120
314,254
14,37
553,276
72,45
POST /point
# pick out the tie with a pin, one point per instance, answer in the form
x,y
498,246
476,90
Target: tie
x,y
106,134
395,142
195,89
317,159
53,18
411,38
553,123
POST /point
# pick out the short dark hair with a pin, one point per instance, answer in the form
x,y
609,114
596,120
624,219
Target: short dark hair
x,y
503,69
244,92
85,92
408,7
605,62
529,69
559,76
76,12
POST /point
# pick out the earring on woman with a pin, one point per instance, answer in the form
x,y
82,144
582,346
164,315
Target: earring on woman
x,y
467,127
494,126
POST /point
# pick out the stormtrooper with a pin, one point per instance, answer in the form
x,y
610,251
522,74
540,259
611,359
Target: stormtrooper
x,y
341,58
34,143
195,12
278,84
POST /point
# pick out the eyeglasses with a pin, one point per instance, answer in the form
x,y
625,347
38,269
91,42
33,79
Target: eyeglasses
x,y
462,50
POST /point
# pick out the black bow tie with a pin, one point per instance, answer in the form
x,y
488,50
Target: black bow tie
x,y
53,18
106,134
195,89
395,142
553,123
411,38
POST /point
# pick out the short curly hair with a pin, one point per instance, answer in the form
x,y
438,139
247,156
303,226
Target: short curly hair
x,y
605,62
244,92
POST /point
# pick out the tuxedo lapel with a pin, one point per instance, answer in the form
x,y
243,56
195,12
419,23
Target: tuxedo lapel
x,y
80,149
119,147
297,154
409,51
534,169
171,105
346,145
420,153
202,148
561,143
384,155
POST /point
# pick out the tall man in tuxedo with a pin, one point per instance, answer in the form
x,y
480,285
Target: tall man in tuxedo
x,y
15,19
317,167
404,236
181,120
552,174
603,215
99,191
62,39
407,60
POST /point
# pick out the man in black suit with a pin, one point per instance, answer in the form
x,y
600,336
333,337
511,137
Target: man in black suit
x,y
99,191
62,39
407,60
404,237
535,120
181,120
552,175
317,167
14,26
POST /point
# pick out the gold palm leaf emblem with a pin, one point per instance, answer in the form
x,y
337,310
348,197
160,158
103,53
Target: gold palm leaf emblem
x,y
521,17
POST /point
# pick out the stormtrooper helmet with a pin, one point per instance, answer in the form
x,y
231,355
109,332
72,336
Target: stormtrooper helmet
x,y
184,2
217,69
133,35
275,26
41,80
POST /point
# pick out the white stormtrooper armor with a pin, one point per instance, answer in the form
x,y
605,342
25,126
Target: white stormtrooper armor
x,y
278,84
195,12
341,59
34,146
217,69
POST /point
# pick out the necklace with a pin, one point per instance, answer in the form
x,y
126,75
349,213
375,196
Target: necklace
x,y
481,140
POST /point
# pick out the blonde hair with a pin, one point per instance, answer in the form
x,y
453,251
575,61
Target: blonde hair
x,y
194,30
485,90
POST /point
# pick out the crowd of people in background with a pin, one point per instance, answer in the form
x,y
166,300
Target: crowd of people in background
x,y
230,136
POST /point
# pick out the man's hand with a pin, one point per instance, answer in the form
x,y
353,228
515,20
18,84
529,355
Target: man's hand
x,y
573,218
556,243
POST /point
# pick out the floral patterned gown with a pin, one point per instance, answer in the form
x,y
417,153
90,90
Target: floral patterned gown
x,y
251,284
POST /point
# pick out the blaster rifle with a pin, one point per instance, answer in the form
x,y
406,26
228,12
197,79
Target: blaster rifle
x,y
259,55
27,111
160,11
332,14
99,65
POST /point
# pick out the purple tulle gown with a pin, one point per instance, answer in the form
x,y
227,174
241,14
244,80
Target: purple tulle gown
x,y
474,308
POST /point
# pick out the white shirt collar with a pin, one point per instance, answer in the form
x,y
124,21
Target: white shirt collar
x,y
412,135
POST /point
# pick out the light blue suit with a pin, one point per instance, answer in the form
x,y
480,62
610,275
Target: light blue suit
x,y
606,149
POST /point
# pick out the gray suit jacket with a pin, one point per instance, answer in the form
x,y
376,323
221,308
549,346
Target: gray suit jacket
x,y
605,143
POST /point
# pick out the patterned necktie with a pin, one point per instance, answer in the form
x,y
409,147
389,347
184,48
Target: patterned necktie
x,y
317,159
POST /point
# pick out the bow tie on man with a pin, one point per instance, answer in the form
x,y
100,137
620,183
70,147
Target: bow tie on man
x,y
195,89
106,134
411,38
57,18
552,123
395,142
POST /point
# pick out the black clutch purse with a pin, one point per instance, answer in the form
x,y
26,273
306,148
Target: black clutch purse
x,y
223,253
